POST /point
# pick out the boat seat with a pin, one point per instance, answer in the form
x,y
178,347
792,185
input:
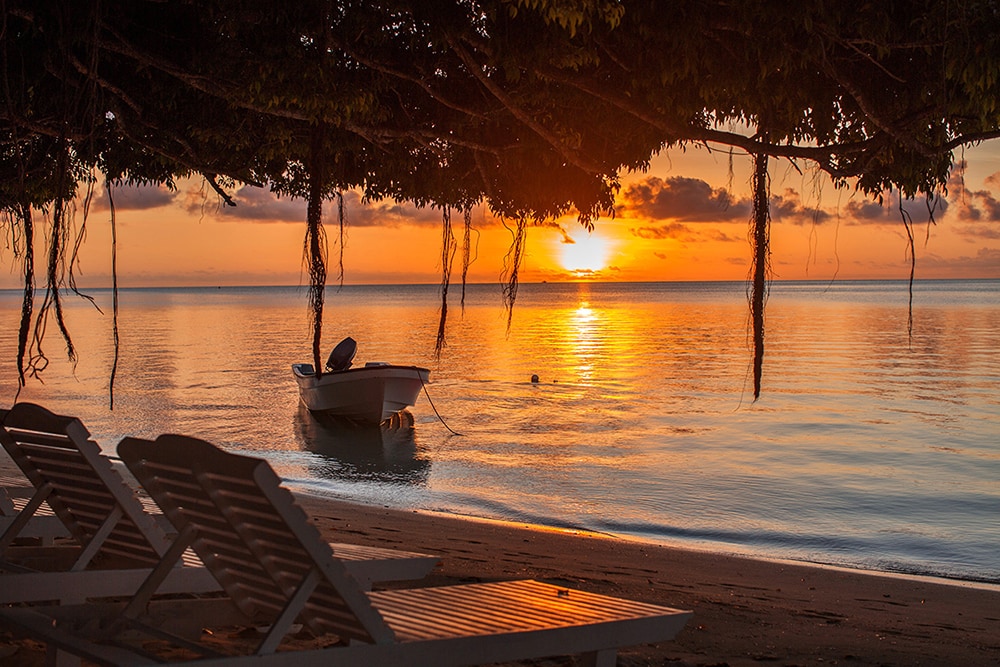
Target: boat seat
x,y
342,355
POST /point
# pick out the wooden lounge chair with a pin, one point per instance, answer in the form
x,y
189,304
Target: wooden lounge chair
x,y
270,560
115,539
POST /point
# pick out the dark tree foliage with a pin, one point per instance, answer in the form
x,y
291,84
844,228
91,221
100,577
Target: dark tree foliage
x,y
532,107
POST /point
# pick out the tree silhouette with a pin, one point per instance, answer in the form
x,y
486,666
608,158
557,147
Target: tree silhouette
x,y
531,107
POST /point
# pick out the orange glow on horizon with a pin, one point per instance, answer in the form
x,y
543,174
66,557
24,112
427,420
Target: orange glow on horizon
x,y
684,220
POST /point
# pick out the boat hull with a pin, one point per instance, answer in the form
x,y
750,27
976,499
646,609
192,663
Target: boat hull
x,y
369,394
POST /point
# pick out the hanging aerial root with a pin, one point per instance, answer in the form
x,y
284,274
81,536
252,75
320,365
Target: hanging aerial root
x,y
114,297
512,264
466,250
28,300
448,247
55,273
759,237
911,247
342,238
316,246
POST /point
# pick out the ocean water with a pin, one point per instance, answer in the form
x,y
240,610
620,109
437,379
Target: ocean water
x,y
873,446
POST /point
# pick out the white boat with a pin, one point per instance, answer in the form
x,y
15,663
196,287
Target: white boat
x,y
368,394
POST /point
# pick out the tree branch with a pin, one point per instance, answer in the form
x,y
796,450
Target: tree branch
x,y
523,117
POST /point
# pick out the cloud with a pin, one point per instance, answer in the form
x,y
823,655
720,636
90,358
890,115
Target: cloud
x,y
978,232
689,200
868,211
677,200
789,207
134,197
718,235
684,233
919,211
389,213
672,205
975,206
674,230
985,263
680,198
259,204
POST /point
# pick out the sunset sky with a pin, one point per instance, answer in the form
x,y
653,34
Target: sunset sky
x,y
685,219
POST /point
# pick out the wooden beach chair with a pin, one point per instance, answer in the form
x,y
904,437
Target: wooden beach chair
x,y
270,560
115,539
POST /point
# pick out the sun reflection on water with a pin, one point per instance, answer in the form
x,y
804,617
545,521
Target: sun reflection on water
x,y
583,329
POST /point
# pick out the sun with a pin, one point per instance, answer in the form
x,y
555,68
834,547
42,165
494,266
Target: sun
x,y
588,253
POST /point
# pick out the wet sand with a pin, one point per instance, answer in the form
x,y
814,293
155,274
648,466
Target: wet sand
x,y
746,612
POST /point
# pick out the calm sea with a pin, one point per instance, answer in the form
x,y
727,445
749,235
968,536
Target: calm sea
x,y
871,447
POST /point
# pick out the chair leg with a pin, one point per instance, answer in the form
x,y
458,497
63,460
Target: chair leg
x,y
56,658
606,658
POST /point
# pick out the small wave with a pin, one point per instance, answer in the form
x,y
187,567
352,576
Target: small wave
x,y
929,558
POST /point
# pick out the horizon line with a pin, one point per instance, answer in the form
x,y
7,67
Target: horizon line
x,y
834,281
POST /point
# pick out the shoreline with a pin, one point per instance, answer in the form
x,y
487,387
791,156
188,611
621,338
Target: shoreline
x,y
701,547
982,584
746,611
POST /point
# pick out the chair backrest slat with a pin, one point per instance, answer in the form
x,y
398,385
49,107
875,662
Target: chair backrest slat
x,y
251,534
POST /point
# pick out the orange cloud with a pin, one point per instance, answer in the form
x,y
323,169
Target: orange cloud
x,y
134,197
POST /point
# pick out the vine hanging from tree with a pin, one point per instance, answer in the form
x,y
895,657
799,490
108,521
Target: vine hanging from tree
x,y
761,265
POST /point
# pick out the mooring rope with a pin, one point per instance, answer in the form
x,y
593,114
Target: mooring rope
x,y
433,407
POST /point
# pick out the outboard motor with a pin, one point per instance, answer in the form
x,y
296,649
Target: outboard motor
x,y
342,355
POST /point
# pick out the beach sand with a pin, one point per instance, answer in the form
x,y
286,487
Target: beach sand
x,y
746,612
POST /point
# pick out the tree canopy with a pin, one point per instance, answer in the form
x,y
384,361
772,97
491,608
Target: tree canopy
x,y
531,107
